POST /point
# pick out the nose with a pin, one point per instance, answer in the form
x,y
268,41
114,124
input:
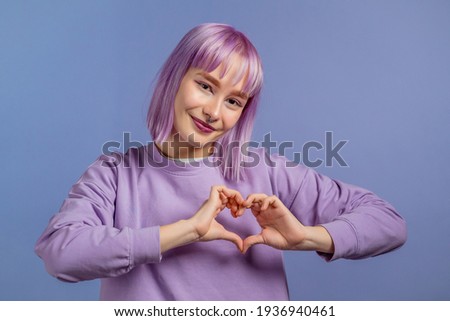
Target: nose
x,y
212,109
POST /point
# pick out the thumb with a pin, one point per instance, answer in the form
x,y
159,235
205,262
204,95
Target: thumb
x,y
252,240
234,238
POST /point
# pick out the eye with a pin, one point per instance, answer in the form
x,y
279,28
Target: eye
x,y
234,102
204,86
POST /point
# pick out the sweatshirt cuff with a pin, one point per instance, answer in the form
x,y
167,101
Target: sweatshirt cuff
x,y
145,246
344,238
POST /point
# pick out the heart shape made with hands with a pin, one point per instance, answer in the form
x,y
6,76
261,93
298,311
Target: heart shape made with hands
x,y
279,227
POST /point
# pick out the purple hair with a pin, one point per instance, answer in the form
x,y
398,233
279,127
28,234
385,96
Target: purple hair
x,y
206,47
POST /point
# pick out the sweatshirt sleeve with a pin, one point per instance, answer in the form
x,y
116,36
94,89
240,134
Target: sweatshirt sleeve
x,y
81,241
360,223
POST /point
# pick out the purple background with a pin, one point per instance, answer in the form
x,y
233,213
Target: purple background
x,y
376,73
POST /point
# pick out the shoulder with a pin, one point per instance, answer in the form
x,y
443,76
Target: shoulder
x,y
109,166
134,157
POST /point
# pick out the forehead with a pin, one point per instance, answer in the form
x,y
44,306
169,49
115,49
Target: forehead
x,y
226,82
238,67
233,73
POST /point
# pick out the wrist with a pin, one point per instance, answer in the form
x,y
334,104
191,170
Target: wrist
x,y
177,234
192,233
317,239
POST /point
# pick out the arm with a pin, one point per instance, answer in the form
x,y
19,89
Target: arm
x,y
203,225
81,242
337,220
282,230
360,223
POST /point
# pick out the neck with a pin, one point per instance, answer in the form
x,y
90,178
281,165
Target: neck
x,y
184,151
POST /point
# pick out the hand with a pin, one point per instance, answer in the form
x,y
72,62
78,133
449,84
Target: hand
x,y
204,221
280,228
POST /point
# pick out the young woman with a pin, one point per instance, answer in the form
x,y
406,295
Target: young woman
x,y
152,224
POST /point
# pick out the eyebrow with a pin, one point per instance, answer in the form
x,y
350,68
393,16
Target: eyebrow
x,y
216,83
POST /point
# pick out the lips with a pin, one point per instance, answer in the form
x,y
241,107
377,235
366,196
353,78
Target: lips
x,y
202,126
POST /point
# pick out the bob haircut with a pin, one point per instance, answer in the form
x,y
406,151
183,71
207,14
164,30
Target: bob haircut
x,y
206,47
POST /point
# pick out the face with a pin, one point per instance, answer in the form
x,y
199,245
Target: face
x,y
206,107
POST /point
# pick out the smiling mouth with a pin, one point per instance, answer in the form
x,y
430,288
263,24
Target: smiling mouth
x,y
202,126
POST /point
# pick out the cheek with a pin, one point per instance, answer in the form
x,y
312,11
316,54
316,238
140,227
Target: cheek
x,y
230,119
189,98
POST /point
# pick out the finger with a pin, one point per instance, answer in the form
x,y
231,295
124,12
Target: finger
x,y
241,211
238,211
233,213
232,194
223,198
256,206
232,205
252,240
268,201
214,194
254,198
256,209
231,198
234,238
237,208
232,201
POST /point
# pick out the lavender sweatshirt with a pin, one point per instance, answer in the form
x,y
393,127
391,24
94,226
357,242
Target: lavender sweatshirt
x,y
108,227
